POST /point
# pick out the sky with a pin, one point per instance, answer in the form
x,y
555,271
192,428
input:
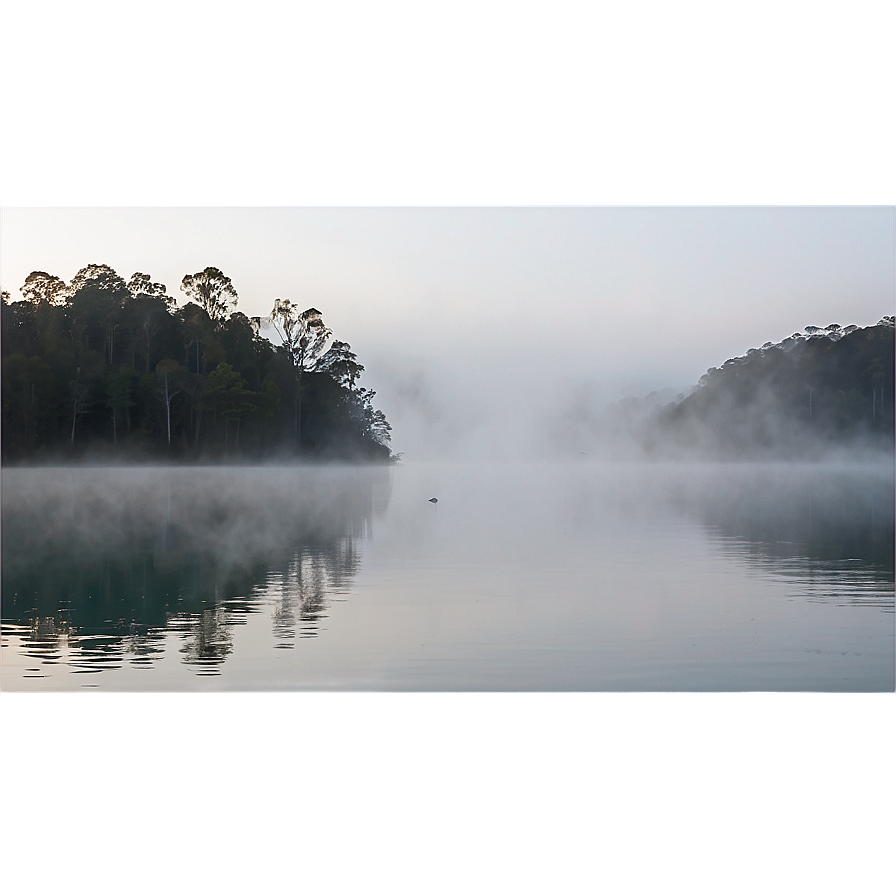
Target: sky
x,y
493,214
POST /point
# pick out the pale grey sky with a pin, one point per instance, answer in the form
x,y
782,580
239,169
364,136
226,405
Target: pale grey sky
x,y
467,317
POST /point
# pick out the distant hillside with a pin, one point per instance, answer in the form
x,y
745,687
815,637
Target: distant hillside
x,y
815,391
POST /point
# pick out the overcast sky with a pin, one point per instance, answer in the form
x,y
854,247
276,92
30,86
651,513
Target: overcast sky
x,y
494,207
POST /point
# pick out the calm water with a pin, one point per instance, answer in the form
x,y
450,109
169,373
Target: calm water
x,y
522,577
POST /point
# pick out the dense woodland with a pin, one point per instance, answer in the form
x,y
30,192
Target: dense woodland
x,y
827,388
113,367
818,394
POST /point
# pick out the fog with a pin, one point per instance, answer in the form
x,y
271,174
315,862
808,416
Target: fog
x,y
234,517
230,514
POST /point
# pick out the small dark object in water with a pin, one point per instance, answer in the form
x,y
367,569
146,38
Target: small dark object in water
x,y
433,500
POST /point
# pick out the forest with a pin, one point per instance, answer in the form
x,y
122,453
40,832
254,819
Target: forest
x,y
108,367
824,389
823,393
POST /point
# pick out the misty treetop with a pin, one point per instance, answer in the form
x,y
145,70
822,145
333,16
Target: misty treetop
x,y
827,391
825,388
105,363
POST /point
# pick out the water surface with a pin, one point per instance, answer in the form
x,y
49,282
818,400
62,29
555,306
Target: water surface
x,y
521,577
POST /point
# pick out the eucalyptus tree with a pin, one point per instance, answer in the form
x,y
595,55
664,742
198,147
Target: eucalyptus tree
x,y
374,425
305,336
197,328
148,310
101,278
96,304
20,329
342,364
45,297
211,290
306,339
40,286
168,374
245,348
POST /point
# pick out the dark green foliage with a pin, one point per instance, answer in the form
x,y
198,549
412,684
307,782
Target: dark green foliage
x,y
336,419
797,399
120,392
104,365
342,364
33,401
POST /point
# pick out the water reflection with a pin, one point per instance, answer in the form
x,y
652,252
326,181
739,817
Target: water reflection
x,y
574,576
305,587
100,566
830,531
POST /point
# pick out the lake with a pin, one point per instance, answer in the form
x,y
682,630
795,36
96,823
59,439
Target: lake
x,y
576,576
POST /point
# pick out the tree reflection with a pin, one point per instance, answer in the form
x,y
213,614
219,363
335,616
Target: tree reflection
x,y
46,636
311,575
208,639
104,563
839,521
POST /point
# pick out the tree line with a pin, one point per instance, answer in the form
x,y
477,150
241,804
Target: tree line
x,y
827,388
108,365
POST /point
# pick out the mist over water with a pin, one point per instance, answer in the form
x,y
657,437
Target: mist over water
x,y
523,576
822,395
124,553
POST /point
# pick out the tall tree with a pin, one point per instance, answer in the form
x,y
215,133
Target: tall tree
x,y
226,396
142,285
374,423
148,311
100,277
304,335
41,317
119,386
40,286
197,329
342,364
169,375
306,338
98,295
211,290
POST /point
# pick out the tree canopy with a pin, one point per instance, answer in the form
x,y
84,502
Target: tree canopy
x,y
212,291
801,397
113,365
